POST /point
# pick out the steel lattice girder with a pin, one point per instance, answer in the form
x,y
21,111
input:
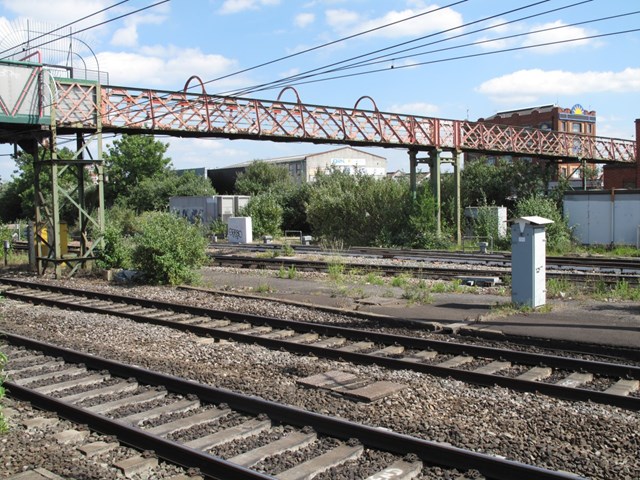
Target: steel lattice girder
x,y
188,114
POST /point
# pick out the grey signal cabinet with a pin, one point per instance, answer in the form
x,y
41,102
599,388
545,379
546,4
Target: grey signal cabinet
x,y
528,261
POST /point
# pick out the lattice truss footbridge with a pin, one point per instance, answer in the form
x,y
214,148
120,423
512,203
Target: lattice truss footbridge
x,y
41,104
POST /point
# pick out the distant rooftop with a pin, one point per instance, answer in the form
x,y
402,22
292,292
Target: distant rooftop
x,y
523,111
292,158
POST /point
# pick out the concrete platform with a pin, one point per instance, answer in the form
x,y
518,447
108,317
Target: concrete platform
x,y
613,324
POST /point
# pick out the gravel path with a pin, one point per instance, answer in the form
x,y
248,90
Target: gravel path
x,y
590,440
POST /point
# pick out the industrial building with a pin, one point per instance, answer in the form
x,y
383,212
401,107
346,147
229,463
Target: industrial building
x,y
304,168
551,117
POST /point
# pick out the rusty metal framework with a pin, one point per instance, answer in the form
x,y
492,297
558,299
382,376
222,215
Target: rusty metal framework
x,y
186,113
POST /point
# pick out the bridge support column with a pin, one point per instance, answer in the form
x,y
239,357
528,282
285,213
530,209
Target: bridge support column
x,y
413,167
457,167
434,169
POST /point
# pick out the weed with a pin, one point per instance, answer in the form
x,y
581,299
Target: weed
x,y
335,268
510,308
622,290
557,287
417,293
287,250
292,272
373,278
401,280
263,288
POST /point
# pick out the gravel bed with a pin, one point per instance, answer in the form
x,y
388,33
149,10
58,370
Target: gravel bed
x,y
587,439
205,299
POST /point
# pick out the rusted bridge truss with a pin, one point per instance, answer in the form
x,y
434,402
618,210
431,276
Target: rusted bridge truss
x,y
36,109
188,114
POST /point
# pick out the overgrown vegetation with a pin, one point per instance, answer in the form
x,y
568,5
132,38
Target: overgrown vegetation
x,y
168,250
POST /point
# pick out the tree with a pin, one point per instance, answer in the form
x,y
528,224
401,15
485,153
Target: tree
x,y
266,214
131,160
358,209
153,193
17,197
262,177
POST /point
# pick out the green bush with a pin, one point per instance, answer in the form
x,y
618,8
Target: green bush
x,y
116,251
358,209
168,249
558,234
266,214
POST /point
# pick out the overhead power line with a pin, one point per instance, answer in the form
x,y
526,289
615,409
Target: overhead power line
x,y
480,42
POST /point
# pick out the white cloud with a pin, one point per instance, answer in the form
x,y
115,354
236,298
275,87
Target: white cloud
x,y
557,35
304,19
59,11
526,86
416,108
236,6
163,67
347,22
127,36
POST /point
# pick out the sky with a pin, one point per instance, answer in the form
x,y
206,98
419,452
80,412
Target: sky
x,y
457,59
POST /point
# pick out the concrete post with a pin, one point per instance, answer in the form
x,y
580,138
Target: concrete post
x,y
434,168
457,167
413,167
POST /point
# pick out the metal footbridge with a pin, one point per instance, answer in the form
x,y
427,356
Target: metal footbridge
x,y
37,107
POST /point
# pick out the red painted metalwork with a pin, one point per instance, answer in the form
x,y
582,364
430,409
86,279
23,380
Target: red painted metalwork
x,y
201,115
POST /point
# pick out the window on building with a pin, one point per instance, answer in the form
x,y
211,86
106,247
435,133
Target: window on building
x,y
576,127
563,126
589,128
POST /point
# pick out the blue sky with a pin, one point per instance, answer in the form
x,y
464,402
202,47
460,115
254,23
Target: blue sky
x,y
162,46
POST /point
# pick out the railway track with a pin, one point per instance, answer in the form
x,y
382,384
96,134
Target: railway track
x,y
477,275
226,434
555,376
498,259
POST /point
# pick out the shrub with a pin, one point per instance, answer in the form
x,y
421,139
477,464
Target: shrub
x,y
168,250
266,214
116,251
558,234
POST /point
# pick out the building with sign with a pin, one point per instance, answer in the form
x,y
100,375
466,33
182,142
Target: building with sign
x,y
304,168
551,117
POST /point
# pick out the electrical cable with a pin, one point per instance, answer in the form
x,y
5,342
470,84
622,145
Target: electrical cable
x,y
334,42
480,42
393,54
441,32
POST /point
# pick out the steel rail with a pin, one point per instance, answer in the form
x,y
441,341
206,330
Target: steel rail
x,y
417,271
553,390
372,437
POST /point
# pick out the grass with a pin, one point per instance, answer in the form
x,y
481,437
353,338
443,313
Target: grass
x,y
622,290
289,273
373,278
264,288
400,281
510,308
418,293
336,269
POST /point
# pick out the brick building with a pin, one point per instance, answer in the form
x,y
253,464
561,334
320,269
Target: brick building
x,y
550,117
624,176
